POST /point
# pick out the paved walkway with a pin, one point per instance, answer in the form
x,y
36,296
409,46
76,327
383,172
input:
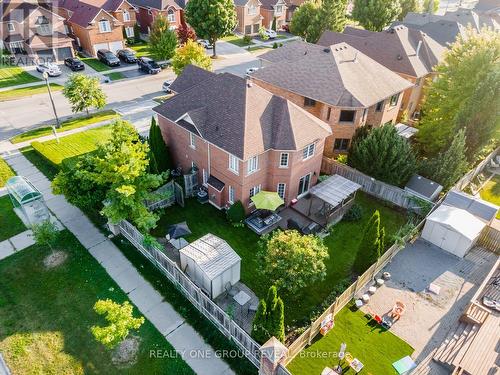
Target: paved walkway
x,y
16,243
160,313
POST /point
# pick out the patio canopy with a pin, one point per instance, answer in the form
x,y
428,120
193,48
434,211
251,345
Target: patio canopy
x,y
334,190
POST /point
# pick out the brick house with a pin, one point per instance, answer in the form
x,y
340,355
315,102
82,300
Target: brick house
x,y
249,17
26,27
271,10
242,138
172,10
97,24
338,84
410,53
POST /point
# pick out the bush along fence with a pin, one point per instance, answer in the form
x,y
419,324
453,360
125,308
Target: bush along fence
x,y
193,293
369,185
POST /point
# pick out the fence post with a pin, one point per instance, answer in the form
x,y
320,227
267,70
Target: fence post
x,y
355,287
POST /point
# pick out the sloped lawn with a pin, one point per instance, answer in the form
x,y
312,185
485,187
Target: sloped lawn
x,y
14,75
10,224
375,347
46,314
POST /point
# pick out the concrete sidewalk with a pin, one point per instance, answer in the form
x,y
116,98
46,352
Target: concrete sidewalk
x,y
160,313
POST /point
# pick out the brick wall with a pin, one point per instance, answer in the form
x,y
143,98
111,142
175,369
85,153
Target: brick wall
x,y
245,19
146,17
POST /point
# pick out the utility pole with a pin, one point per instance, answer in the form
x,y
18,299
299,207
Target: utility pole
x,y
46,78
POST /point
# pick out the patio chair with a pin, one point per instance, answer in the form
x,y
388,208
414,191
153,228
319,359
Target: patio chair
x,y
398,310
230,290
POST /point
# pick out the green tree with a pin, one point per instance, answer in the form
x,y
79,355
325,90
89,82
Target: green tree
x,y
302,21
269,319
384,155
369,249
359,134
430,6
331,16
162,40
292,261
185,33
159,150
259,324
273,26
262,33
190,53
374,15
120,319
212,19
137,33
408,6
84,92
448,166
45,234
463,95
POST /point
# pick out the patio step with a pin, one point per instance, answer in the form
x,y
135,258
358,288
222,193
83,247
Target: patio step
x,y
456,344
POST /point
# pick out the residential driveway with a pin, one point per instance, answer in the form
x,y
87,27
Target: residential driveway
x,y
227,49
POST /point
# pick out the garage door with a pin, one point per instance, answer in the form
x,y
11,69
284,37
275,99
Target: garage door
x,y
115,46
63,53
99,46
45,55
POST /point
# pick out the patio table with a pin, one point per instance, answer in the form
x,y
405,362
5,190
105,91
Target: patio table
x,y
242,299
356,365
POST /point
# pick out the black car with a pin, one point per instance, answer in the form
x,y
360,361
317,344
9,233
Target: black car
x,y
127,55
148,65
74,64
108,57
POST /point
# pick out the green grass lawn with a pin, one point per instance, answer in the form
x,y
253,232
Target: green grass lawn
x,y
14,75
237,41
49,170
46,314
491,192
10,224
141,49
74,123
115,76
6,172
95,64
342,245
375,347
72,145
28,91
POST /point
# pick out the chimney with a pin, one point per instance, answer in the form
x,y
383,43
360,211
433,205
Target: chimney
x,y
418,47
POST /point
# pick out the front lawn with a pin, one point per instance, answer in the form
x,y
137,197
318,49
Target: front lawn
x,y
43,165
141,49
5,172
28,91
115,76
14,75
46,314
342,245
374,346
72,145
491,192
74,123
237,41
10,224
95,64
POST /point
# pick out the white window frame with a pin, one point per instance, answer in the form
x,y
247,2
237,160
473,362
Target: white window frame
x,y
171,15
278,9
253,165
230,196
253,191
104,26
10,27
287,156
44,29
278,189
393,103
234,164
192,141
205,177
308,184
252,10
308,151
129,31
126,15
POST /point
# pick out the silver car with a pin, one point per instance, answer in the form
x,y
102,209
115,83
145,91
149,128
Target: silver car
x,y
51,69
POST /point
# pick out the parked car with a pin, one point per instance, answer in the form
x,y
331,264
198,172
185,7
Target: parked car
x,y
148,65
108,57
51,69
251,71
205,43
127,55
166,86
270,33
74,64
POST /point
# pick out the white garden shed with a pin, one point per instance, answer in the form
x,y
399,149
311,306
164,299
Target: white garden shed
x,y
452,229
211,264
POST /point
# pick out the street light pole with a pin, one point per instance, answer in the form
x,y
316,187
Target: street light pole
x,y
46,78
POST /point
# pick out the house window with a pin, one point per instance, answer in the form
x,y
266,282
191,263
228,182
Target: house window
x,y
304,184
171,15
284,160
104,26
347,116
394,99
279,9
308,151
254,191
66,29
231,195
328,113
44,29
126,15
233,164
192,141
10,27
248,29
308,102
380,106
256,27
129,31
252,10
281,190
341,144
253,164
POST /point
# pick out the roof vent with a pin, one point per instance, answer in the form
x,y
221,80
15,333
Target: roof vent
x,y
327,50
305,52
249,83
400,57
216,128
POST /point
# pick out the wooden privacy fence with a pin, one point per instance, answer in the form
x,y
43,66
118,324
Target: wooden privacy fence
x,y
490,239
379,189
194,294
471,175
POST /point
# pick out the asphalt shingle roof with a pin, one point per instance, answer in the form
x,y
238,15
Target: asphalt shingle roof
x,y
444,32
465,17
192,75
159,4
337,75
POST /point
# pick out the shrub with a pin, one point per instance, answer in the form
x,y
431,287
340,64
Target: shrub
x,y
355,213
247,39
236,213
275,45
342,159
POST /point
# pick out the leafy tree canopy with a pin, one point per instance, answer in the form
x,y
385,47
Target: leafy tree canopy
x,y
185,33
190,53
408,6
374,15
162,40
84,92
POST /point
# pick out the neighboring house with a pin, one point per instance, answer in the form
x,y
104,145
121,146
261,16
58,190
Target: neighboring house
x,y
249,18
291,7
26,27
97,24
488,8
273,11
241,138
463,16
172,10
408,52
338,84
444,32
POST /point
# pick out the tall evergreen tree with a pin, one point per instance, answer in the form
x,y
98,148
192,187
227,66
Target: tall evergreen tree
x,y
369,247
269,320
159,151
374,15
331,16
259,330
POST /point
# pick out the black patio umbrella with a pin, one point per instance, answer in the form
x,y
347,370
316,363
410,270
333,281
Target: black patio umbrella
x,y
178,230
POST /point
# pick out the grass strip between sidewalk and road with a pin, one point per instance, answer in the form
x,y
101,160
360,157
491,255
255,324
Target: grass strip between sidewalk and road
x,y
115,76
23,92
